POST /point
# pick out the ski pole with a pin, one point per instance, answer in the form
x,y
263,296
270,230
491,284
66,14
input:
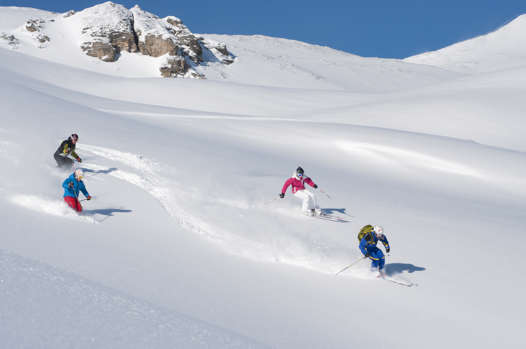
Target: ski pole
x,y
350,265
324,192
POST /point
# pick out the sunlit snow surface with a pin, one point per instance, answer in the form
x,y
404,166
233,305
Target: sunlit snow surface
x,y
186,219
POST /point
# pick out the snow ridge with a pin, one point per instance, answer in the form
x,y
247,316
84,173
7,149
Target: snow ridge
x,y
501,49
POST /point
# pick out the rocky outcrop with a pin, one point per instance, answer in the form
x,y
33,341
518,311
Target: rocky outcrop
x,y
174,67
156,46
35,27
11,40
41,38
167,36
219,51
69,13
107,29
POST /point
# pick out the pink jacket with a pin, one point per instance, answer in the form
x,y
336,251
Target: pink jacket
x,y
297,184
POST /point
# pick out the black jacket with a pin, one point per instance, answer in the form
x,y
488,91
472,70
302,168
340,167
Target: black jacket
x,y
66,148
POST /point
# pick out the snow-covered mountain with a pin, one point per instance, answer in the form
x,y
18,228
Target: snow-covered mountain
x,y
136,43
502,49
108,32
186,242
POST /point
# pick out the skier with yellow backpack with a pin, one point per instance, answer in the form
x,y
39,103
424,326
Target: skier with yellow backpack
x,y
368,237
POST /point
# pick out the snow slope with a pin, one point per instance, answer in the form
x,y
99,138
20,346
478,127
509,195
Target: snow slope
x,y
268,61
502,49
93,315
13,17
185,217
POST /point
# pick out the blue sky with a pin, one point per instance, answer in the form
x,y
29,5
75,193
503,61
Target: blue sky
x,y
380,28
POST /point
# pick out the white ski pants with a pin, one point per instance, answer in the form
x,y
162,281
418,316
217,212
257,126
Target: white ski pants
x,y
309,200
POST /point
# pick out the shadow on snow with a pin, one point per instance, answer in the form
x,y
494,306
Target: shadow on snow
x,y
108,212
334,210
95,172
398,268
105,211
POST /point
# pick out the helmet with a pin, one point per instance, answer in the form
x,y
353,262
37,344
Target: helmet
x,y
299,170
378,229
75,136
79,174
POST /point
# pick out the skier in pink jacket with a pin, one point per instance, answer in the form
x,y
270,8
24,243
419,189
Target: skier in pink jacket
x,y
297,181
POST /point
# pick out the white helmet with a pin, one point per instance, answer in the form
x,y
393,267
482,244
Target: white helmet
x,y
79,174
378,229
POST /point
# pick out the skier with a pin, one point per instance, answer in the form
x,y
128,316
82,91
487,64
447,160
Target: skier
x,y
297,181
72,185
369,237
66,148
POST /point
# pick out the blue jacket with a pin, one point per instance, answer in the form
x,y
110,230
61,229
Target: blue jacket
x,y
77,186
369,241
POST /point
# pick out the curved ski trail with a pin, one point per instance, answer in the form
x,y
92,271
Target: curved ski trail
x,y
284,248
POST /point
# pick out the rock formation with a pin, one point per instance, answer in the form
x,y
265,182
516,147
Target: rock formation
x,y
109,29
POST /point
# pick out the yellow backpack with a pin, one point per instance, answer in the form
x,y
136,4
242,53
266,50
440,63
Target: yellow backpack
x,y
364,231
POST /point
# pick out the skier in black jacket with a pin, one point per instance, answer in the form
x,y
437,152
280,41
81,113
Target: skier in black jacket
x,y
65,149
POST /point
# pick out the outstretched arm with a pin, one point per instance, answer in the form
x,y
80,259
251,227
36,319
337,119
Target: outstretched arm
x,y
288,182
310,182
75,155
384,241
82,188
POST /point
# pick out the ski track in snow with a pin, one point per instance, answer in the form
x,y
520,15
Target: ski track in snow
x,y
153,183
51,207
287,249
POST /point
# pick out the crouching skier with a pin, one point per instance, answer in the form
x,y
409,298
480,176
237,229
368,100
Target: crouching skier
x,y
368,238
72,185
297,181
65,149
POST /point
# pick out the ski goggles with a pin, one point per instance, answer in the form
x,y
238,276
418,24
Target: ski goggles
x,y
299,174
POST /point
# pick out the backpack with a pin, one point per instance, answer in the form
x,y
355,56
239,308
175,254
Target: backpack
x,y
364,231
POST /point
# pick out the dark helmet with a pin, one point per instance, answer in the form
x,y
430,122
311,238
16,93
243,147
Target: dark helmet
x,y
299,170
75,136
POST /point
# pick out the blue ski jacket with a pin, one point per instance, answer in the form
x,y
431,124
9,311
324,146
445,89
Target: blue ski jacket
x,y
77,186
369,241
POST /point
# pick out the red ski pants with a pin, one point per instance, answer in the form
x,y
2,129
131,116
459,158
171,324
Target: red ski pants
x,y
73,203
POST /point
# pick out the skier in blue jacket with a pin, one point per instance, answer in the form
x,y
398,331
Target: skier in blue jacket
x,y
72,185
369,249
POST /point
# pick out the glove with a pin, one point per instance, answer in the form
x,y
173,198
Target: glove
x,y
79,159
282,195
89,197
387,250
315,186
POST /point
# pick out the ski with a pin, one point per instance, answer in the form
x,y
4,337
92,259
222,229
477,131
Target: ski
x,y
397,282
331,218
328,217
